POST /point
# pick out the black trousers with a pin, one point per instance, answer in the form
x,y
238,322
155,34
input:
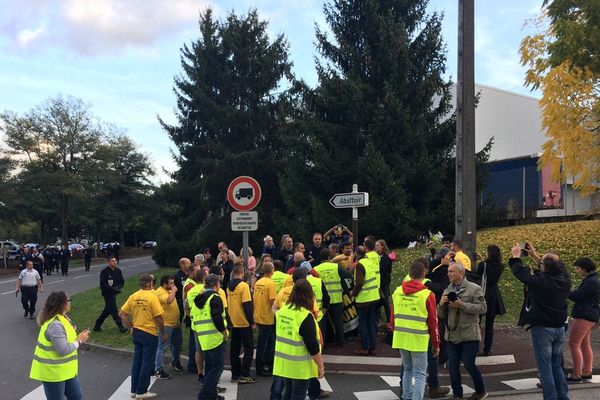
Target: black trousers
x,y
64,267
335,313
266,347
88,262
110,308
48,268
29,298
241,337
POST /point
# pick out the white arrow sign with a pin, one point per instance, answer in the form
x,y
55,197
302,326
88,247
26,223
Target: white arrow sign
x,y
350,200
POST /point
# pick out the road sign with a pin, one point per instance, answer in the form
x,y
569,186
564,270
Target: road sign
x,y
350,200
244,193
244,221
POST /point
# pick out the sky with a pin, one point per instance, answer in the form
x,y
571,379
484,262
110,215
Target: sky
x,y
121,56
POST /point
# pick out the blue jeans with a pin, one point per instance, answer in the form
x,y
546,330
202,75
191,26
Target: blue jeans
x,y
214,362
71,389
295,389
192,368
277,388
143,360
174,342
366,326
266,347
547,347
465,352
415,365
432,370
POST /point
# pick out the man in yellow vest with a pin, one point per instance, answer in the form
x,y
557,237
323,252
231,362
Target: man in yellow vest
x,y
211,332
415,327
197,277
366,294
279,277
331,275
187,285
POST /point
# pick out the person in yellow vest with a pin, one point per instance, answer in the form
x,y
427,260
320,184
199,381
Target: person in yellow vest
x,y
166,296
242,320
284,294
297,345
198,279
212,334
366,294
415,328
279,277
146,324
218,271
457,254
331,275
187,285
264,296
55,357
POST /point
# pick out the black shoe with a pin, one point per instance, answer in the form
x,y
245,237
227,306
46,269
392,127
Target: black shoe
x,y
97,329
26,314
162,375
264,372
235,378
539,385
177,366
571,379
220,397
586,377
244,380
30,316
201,378
122,329
221,389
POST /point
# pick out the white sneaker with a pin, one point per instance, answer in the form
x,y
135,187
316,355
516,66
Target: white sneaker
x,y
147,395
132,395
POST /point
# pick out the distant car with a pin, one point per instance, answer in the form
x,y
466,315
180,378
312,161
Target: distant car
x,y
32,245
76,248
150,244
12,247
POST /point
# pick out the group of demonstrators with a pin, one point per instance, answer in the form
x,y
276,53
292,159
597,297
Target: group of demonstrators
x,y
295,297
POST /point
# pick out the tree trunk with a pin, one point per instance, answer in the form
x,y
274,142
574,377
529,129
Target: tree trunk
x,y
65,220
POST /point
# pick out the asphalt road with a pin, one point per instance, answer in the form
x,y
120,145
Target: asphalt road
x,y
19,334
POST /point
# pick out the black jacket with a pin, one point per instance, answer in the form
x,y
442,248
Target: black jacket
x,y
438,281
587,299
546,296
216,308
385,273
246,306
179,278
111,282
493,296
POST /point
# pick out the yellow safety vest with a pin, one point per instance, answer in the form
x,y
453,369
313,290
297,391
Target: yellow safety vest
x,y
208,335
279,278
408,278
48,365
191,295
317,287
292,359
410,320
328,271
370,289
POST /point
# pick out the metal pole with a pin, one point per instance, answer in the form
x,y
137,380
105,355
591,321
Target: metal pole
x,y
245,247
354,220
466,204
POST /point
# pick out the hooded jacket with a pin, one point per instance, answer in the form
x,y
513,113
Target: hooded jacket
x,y
216,307
247,306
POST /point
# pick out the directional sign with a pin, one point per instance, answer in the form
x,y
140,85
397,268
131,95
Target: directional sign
x,y
244,193
350,200
244,221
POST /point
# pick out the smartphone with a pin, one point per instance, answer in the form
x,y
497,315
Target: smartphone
x,y
523,247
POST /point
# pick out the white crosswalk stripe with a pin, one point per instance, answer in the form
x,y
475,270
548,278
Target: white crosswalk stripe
x,y
522,384
232,387
123,392
37,394
376,395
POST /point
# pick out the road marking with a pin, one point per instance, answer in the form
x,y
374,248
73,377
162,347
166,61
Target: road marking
x,y
522,384
12,291
331,359
232,387
124,390
393,381
325,385
495,360
9,281
84,276
37,394
52,283
376,395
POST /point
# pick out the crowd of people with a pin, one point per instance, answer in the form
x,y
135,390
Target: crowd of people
x,y
295,297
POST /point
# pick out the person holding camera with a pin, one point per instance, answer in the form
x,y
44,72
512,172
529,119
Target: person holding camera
x,y
544,312
461,304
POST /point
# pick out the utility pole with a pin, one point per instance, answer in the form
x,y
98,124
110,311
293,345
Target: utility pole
x,y
466,202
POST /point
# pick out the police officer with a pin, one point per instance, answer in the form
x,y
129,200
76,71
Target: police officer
x,y
65,257
111,284
87,257
24,255
28,283
38,261
47,254
56,258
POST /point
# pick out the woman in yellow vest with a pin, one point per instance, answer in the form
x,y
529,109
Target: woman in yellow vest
x,y
55,357
297,345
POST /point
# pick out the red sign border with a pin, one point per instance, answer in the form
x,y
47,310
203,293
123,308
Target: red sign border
x,y
257,190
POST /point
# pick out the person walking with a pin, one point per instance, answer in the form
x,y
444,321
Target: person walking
x,y
55,357
166,296
461,304
211,334
265,294
585,313
297,345
144,315
87,257
111,284
490,270
415,329
28,283
65,257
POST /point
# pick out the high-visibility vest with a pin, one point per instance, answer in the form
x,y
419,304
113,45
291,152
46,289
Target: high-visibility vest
x,y
191,295
328,271
279,278
292,359
48,365
317,287
370,289
202,323
410,320
408,278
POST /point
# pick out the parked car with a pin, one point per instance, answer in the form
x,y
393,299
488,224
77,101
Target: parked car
x,y
32,245
76,248
13,248
150,244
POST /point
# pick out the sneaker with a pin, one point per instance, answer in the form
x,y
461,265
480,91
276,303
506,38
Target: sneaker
x,y
572,379
235,378
97,329
264,372
201,378
26,314
132,395
221,389
162,375
586,377
177,366
539,385
220,397
436,393
478,396
243,380
147,395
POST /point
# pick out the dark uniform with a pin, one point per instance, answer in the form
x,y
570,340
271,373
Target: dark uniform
x,y
56,259
116,250
87,257
65,257
111,284
179,277
23,258
48,260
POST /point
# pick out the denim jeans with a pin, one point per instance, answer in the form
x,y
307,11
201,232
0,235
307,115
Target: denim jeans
x,y
415,366
191,367
432,370
266,347
277,388
71,389
366,326
143,360
547,347
465,352
174,342
295,389
214,362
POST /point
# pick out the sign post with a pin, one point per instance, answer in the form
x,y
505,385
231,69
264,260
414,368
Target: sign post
x,y
354,200
243,194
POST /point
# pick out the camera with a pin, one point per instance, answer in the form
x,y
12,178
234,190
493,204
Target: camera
x,y
452,296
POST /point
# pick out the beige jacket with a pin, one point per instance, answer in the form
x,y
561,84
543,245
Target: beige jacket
x,y
462,324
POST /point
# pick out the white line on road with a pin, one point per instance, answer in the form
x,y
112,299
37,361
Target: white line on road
x,y
52,283
125,389
83,276
37,394
12,291
325,385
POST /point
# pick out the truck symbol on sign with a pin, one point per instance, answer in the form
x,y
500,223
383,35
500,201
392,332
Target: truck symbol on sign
x,y
244,192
